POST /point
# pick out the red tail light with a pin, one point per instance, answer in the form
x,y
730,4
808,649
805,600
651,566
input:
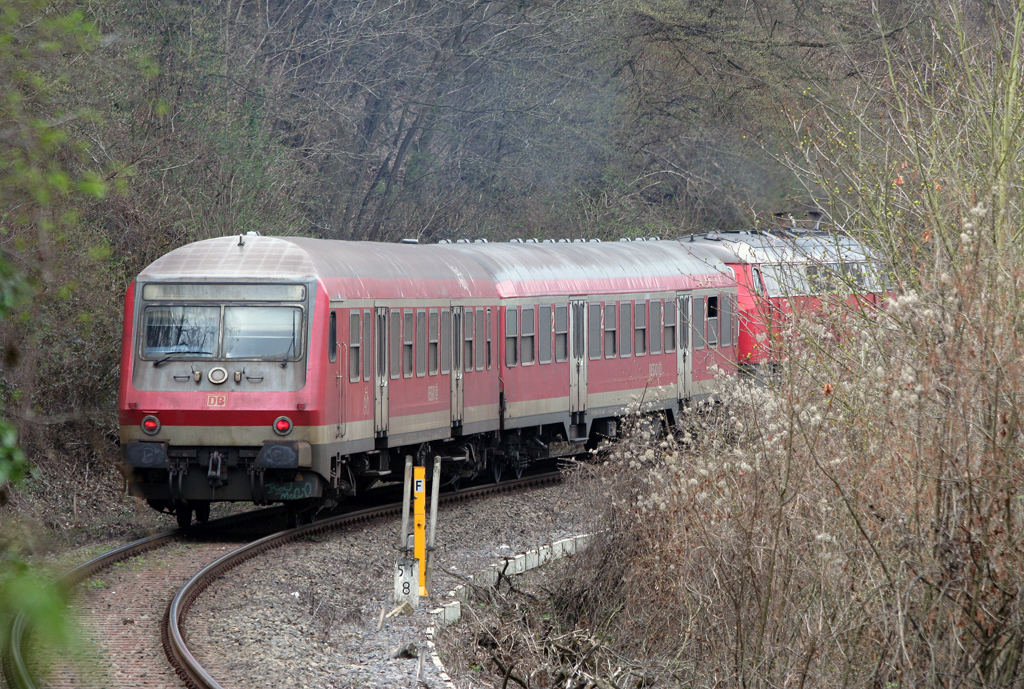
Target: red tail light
x,y
283,425
150,425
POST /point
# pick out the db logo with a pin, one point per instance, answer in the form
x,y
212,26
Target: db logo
x,y
216,400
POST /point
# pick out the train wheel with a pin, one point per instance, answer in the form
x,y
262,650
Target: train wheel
x,y
202,511
184,514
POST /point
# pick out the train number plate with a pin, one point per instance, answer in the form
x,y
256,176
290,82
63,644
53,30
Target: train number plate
x,y
216,400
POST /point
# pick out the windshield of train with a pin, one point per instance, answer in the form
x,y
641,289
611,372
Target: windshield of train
x,y
811,278
222,330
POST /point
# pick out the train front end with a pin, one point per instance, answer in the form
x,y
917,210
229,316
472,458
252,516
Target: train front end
x,y
216,399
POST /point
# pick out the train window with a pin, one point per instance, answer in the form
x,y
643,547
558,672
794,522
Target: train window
x,y
511,336
625,325
262,332
670,325
490,328
457,342
640,328
332,338
408,338
481,338
594,349
578,315
367,344
561,333
772,282
544,334
610,320
529,329
382,351
396,343
421,343
712,320
467,355
192,330
353,346
725,320
735,319
446,341
432,341
756,279
698,323
656,326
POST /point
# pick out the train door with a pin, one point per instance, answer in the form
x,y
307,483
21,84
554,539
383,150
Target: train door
x,y
578,368
684,357
458,365
337,365
380,372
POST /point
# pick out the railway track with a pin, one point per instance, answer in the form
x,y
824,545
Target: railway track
x,y
182,659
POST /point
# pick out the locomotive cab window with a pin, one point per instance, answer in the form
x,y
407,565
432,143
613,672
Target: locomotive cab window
x,y
332,338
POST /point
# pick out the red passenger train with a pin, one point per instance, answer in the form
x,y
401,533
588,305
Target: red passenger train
x,y
288,369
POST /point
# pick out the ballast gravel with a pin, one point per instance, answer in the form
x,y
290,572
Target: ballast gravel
x,y
307,614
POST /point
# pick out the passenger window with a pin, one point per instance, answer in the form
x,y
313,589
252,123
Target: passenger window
x,y
561,333
467,340
481,327
626,325
712,321
353,346
446,341
421,343
544,334
367,344
725,320
408,335
670,325
432,342
529,328
332,338
640,329
511,336
595,331
490,328
698,323
656,326
396,343
610,319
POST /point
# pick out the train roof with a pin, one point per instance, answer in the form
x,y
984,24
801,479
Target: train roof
x,y
761,246
378,270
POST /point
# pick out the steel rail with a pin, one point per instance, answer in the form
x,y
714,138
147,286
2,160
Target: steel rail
x,y
178,653
15,669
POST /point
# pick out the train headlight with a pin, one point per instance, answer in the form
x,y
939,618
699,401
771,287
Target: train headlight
x,y
150,425
282,425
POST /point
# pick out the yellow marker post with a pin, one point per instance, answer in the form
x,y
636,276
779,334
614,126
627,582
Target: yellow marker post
x,y
419,523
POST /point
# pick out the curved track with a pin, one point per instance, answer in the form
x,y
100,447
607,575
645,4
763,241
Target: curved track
x,y
15,668
182,659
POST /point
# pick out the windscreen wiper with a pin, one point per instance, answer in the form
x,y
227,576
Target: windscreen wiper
x,y
174,354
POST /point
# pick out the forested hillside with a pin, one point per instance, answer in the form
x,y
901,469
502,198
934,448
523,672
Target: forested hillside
x,y
160,122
